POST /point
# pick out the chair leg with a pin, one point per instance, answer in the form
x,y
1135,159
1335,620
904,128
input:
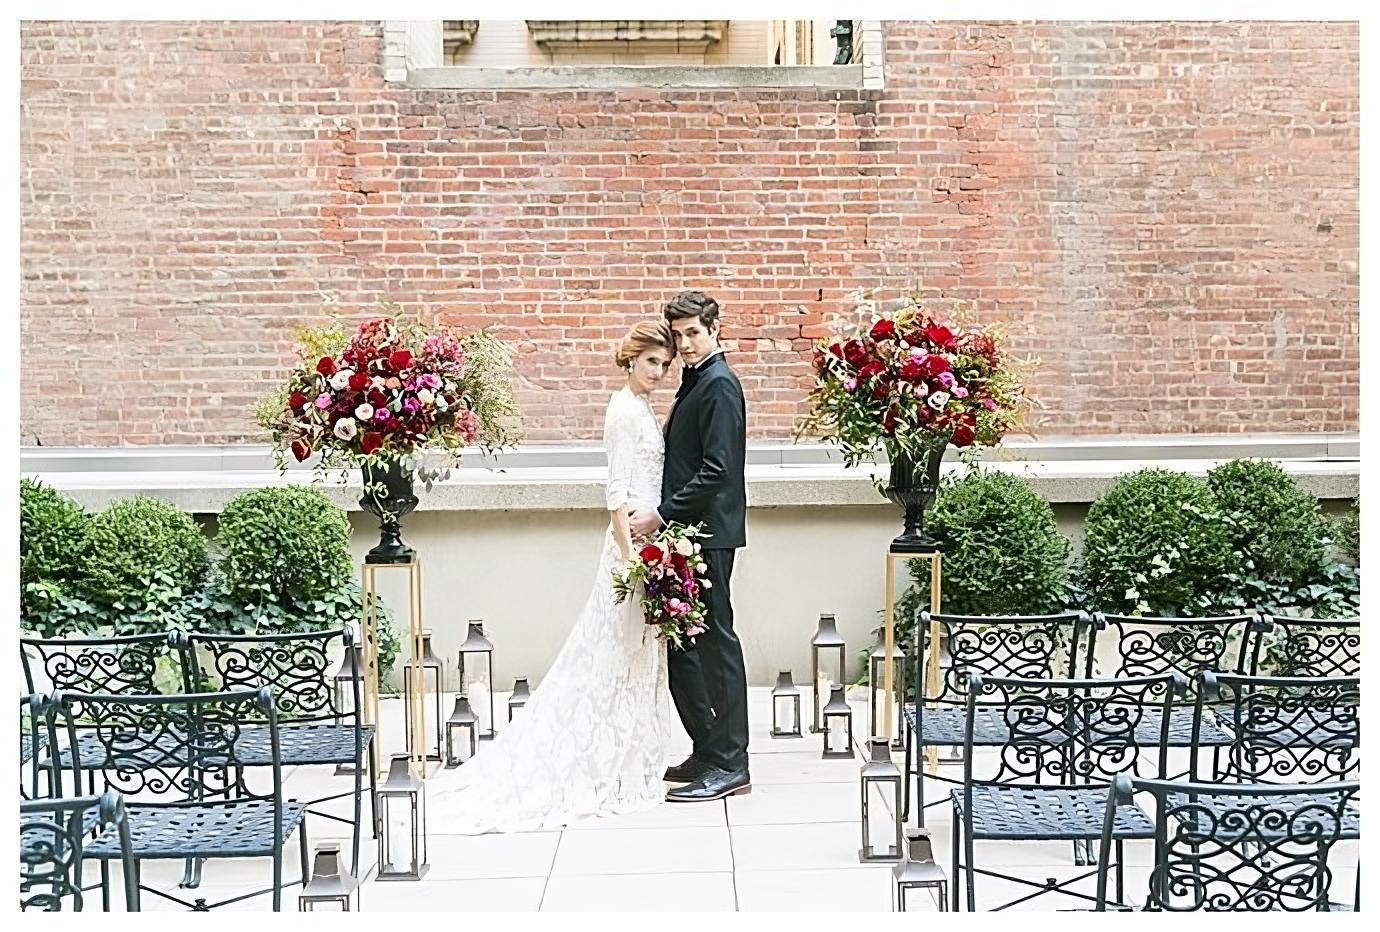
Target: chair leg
x,y
1120,872
373,791
278,880
919,783
969,877
905,775
359,819
955,828
306,858
105,885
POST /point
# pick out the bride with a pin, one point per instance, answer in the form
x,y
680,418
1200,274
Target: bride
x,y
592,739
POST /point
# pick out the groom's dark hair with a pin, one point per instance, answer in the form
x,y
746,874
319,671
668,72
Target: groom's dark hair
x,y
693,304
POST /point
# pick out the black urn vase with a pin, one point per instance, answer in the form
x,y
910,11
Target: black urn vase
x,y
912,486
388,496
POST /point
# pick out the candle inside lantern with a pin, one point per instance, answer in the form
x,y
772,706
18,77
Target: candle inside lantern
x,y
785,713
881,824
837,735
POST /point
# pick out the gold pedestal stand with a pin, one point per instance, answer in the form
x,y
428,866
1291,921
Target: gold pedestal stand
x,y
889,638
416,695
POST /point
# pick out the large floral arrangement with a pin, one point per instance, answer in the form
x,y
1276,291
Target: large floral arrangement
x,y
911,381
390,390
674,577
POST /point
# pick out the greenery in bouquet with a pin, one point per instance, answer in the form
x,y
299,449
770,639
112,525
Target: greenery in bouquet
x,y
673,576
393,389
909,380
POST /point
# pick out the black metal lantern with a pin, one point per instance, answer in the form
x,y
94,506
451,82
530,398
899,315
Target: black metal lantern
x,y
518,699
477,676
827,657
881,805
462,733
351,669
876,695
838,725
329,885
402,830
785,707
916,872
432,663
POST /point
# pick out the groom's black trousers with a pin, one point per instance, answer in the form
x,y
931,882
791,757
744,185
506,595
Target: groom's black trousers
x,y
709,681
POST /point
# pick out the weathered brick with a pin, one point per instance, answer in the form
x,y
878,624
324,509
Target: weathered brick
x,y
1166,214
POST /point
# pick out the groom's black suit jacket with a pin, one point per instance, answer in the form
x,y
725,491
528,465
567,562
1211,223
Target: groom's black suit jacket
x,y
706,446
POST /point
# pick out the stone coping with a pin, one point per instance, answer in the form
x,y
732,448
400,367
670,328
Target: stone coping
x,y
541,477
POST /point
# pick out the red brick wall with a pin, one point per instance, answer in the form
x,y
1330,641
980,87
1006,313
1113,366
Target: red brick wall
x,y
1165,214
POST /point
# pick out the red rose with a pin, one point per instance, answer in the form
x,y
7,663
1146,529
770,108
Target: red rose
x,y
370,442
912,371
963,435
870,369
889,422
650,554
377,398
358,381
880,390
300,450
935,364
400,360
836,349
854,353
296,400
940,335
883,330
325,365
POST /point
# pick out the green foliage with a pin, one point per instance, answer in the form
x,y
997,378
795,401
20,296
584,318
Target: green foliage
x,y
136,539
1156,543
291,543
1349,531
54,536
1003,554
1276,526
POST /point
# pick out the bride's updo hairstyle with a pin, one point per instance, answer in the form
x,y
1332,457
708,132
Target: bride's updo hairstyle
x,y
645,335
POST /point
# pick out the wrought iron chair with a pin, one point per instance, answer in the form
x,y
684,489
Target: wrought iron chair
x,y
1308,646
1240,847
52,834
123,665
1026,646
1066,740
313,727
1283,729
33,743
179,760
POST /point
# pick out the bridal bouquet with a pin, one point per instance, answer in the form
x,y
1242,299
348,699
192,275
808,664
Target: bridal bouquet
x,y
674,577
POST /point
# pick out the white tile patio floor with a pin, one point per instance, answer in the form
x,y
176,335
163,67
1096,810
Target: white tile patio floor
x,y
789,846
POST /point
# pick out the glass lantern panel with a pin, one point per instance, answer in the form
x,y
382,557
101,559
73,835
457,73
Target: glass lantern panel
x,y
836,734
479,688
881,818
785,714
397,835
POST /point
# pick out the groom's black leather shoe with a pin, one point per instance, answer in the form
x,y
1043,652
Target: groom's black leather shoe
x,y
716,784
687,771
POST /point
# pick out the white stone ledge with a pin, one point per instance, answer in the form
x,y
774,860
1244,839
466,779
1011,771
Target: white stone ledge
x,y
569,477
598,77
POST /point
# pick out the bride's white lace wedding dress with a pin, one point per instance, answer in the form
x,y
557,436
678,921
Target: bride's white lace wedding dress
x,y
592,739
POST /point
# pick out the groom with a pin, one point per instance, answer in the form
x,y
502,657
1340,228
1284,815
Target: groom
x,y
706,441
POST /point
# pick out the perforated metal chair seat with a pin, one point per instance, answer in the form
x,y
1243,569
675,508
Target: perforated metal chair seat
x,y
241,829
1040,813
302,744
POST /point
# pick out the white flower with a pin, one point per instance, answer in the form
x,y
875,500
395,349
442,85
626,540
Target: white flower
x,y
345,428
938,400
365,411
377,382
341,379
684,547
701,568
706,583
425,396
697,548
